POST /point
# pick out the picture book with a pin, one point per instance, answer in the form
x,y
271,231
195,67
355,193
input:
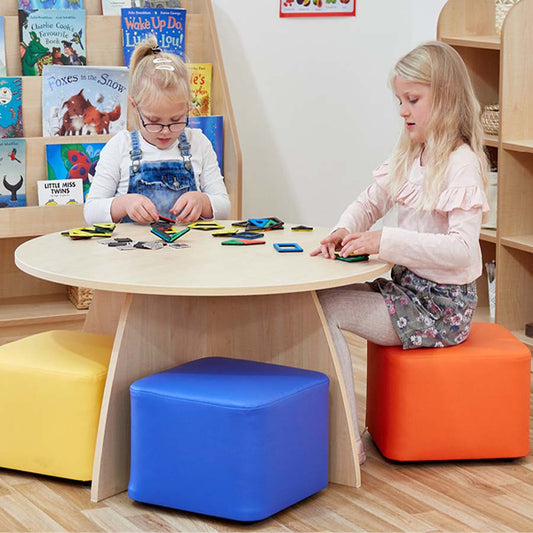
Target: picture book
x,y
213,128
167,25
84,100
59,192
73,161
12,172
113,7
51,37
3,71
11,107
32,5
200,88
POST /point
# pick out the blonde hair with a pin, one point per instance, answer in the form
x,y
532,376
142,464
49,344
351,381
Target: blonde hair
x,y
455,118
155,74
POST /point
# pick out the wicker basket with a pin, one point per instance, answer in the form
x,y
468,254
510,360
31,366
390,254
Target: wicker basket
x,y
81,297
502,8
490,119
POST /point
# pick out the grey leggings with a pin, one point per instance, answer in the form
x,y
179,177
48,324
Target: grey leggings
x,y
360,310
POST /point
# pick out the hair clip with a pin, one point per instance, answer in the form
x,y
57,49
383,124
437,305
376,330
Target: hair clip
x,y
156,49
164,67
161,60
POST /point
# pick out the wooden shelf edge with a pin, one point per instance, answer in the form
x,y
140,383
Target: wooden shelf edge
x,y
525,145
519,242
492,140
488,235
487,42
38,309
32,221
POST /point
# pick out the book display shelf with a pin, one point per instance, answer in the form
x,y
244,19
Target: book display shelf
x,y
501,68
28,304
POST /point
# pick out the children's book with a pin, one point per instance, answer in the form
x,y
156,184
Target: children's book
x,y
73,161
3,71
167,25
51,36
12,172
11,107
84,100
200,88
32,5
113,7
59,192
213,128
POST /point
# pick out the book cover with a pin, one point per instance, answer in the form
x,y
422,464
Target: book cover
x,y
162,4
32,5
11,107
200,88
12,172
113,7
73,161
213,128
3,71
84,100
61,192
51,36
167,25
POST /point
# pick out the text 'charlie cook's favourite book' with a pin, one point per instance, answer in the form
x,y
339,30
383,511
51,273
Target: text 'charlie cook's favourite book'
x,y
51,37
11,107
84,100
167,25
73,161
12,172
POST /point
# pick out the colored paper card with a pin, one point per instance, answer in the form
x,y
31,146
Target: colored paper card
x,y
166,25
12,172
213,128
84,100
11,107
60,192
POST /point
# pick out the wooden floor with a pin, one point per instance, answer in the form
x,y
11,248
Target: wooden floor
x,y
478,496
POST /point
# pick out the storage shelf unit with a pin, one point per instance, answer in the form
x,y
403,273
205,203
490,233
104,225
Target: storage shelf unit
x,y
502,72
28,305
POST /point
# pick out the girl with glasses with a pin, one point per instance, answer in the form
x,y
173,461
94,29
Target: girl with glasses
x,y
163,167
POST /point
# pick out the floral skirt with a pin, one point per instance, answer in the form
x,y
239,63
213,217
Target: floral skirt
x,y
425,313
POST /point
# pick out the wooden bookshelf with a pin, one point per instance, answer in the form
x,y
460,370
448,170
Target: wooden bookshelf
x,y
501,69
29,305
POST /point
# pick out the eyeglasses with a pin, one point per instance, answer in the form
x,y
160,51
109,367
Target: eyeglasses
x,y
174,127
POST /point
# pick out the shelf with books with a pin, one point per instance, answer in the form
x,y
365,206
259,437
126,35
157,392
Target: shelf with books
x,y
17,224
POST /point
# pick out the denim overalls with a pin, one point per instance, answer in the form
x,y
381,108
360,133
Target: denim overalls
x,y
161,181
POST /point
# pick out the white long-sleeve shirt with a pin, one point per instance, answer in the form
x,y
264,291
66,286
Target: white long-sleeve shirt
x,y
440,245
113,172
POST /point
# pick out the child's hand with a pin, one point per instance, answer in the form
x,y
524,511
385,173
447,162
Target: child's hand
x,y
361,243
138,207
189,207
331,243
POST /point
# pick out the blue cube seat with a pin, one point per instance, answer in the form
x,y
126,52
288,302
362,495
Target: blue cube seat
x,y
228,437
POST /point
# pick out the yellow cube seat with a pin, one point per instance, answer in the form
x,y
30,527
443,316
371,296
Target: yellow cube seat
x,y
51,387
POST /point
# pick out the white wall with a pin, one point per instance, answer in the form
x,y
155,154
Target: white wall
x,y
313,110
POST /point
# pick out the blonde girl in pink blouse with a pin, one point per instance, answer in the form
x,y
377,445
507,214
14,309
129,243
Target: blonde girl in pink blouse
x,y
436,178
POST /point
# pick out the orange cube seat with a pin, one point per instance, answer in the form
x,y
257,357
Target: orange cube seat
x,y
469,401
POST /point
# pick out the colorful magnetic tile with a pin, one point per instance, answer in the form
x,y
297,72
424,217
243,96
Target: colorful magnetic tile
x,y
248,235
205,225
237,242
241,224
226,232
352,258
259,222
168,235
287,247
302,228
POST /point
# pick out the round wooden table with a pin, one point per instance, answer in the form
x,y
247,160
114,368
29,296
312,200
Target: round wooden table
x,y
168,306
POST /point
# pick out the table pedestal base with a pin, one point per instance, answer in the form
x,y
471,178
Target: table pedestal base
x,y
154,333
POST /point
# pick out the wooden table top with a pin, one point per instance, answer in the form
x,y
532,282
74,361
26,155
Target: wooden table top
x,y
205,269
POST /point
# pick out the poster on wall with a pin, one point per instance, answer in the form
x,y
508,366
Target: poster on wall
x,y
316,8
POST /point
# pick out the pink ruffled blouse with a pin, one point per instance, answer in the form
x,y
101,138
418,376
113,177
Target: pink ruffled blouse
x,y
440,245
